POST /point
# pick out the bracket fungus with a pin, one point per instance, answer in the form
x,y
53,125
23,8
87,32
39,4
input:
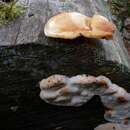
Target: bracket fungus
x,y
70,25
77,90
112,126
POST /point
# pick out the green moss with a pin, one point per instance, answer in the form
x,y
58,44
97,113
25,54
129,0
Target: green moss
x,y
10,11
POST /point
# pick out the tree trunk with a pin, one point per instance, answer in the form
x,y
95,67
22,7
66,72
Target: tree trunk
x,y
37,57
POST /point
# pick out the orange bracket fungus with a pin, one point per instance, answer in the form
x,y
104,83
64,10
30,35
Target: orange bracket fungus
x,y
70,25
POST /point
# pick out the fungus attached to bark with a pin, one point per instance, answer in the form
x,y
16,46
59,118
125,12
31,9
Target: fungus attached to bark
x,y
73,24
112,126
77,90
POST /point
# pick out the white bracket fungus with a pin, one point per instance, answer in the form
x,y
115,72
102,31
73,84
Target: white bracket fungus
x,y
77,90
112,126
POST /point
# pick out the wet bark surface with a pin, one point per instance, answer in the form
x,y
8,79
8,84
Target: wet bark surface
x,y
36,57
24,66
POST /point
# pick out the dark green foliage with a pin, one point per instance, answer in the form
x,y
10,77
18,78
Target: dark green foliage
x,y
120,8
10,11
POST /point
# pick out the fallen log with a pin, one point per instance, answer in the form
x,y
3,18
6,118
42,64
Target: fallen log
x,y
37,57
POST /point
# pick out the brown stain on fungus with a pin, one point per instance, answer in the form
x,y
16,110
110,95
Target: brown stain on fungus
x,y
122,100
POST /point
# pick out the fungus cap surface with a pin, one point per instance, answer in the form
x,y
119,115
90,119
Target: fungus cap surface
x,y
70,25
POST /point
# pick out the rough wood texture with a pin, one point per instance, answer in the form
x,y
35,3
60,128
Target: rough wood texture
x,y
29,28
22,67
